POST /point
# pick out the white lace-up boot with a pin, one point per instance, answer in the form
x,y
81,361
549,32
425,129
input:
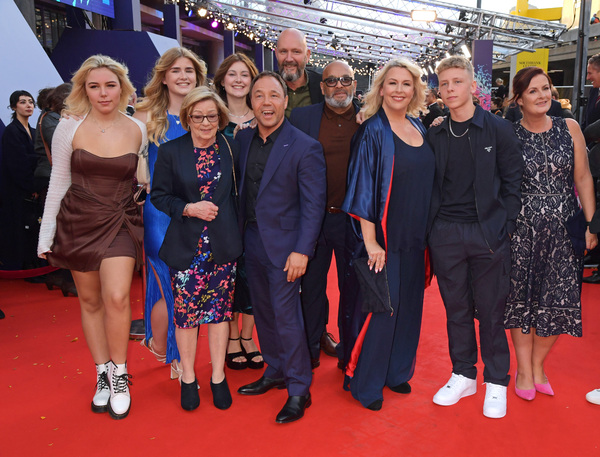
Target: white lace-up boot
x,y
120,400
102,395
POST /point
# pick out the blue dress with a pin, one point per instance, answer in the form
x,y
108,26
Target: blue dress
x,y
155,227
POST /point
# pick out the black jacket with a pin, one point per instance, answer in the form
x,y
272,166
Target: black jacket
x,y
175,183
434,112
314,86
498,159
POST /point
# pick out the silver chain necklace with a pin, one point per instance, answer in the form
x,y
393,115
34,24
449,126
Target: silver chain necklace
x,y
454,134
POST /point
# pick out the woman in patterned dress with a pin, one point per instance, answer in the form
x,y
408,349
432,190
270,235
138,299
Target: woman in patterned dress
x,y
544,299
175,74
194,183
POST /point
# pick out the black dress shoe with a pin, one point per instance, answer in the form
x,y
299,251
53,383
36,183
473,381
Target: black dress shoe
x,y
593,279
328,344
261,386
2,316
376,405
403,388
293,409
315,363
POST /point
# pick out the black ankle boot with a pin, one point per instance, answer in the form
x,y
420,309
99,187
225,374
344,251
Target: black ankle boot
x,y
221,394
190,399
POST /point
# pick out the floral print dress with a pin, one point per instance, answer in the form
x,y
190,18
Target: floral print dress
x,y
203,293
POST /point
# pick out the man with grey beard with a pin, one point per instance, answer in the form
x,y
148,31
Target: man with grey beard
x,y
292,57
332,123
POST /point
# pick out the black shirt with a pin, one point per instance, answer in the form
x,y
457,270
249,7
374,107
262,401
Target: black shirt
x,y
257,160
458,194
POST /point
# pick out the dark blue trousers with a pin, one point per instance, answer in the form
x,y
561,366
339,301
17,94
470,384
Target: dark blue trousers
x,y
473,282
389,349
278,317
315,304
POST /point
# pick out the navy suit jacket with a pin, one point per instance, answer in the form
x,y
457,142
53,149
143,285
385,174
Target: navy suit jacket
x,y
308,118
592,110
291,200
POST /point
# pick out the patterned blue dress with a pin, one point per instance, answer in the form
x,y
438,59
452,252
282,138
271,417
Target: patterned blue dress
x,y
204,292
155,227
545,284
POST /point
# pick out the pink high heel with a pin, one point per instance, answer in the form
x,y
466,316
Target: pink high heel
x,y
525,394
545,388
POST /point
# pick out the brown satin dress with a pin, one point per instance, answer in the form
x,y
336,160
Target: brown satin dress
x,y
98,218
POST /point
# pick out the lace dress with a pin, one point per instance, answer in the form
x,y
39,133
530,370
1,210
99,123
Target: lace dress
x,y
545,279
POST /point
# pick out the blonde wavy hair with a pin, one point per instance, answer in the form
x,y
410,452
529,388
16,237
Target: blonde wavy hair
x,y
374,100
156,94
77,103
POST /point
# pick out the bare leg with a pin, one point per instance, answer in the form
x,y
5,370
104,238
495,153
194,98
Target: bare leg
x,y
541,348
247,330
233,345
523,343
92,314
187,341
159,320
115,279
217,345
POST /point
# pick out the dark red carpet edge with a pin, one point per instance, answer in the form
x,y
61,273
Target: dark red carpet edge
x,y
47,381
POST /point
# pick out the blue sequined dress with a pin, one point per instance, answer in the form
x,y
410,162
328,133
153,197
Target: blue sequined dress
x,y
155,227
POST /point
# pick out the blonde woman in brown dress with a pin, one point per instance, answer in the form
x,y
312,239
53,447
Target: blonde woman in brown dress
x,y
91,225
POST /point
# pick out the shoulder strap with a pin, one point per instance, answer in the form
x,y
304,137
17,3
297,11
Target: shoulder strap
x,y
44,139
232,163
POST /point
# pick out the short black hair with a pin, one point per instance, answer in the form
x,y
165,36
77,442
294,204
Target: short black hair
x,y
272,74
14,99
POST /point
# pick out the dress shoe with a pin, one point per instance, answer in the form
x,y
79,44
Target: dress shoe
x,y
261,386
590,261
315,363
525,394
2,315
328,344
593,279
494,405
457,387
403,388
593,397
293,409
376,405
545,388
221,395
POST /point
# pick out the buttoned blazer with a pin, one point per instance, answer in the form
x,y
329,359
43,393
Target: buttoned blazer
x,y
291,199
175,183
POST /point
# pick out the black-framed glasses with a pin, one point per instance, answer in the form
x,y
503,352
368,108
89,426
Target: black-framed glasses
x,y
199,119
332,82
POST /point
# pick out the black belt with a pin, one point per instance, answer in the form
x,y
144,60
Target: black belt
x,y
334,210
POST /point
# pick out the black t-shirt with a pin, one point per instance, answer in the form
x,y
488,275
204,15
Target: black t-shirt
x,y
458,193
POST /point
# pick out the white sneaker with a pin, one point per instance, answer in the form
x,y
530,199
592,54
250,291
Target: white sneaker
x,y
494,405
102,394
593,397
457,387
120,400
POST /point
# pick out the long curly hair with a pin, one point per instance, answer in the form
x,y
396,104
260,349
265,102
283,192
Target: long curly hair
x,y
156,94
373,99
77,103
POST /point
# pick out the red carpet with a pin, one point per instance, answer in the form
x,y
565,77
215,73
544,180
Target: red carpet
x,y
47,381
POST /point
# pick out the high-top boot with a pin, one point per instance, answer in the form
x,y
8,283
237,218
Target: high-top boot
x,y
120,400
102,395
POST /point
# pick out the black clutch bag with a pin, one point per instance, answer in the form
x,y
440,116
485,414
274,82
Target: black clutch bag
x,y
374,288
576,226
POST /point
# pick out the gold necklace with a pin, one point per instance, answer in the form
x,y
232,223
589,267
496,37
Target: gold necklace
x,y
239,116
104,129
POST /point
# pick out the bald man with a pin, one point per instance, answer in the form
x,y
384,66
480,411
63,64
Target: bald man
x,y
332,123
292,57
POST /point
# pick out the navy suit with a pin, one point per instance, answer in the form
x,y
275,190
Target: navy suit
x,y
289,212
336,236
